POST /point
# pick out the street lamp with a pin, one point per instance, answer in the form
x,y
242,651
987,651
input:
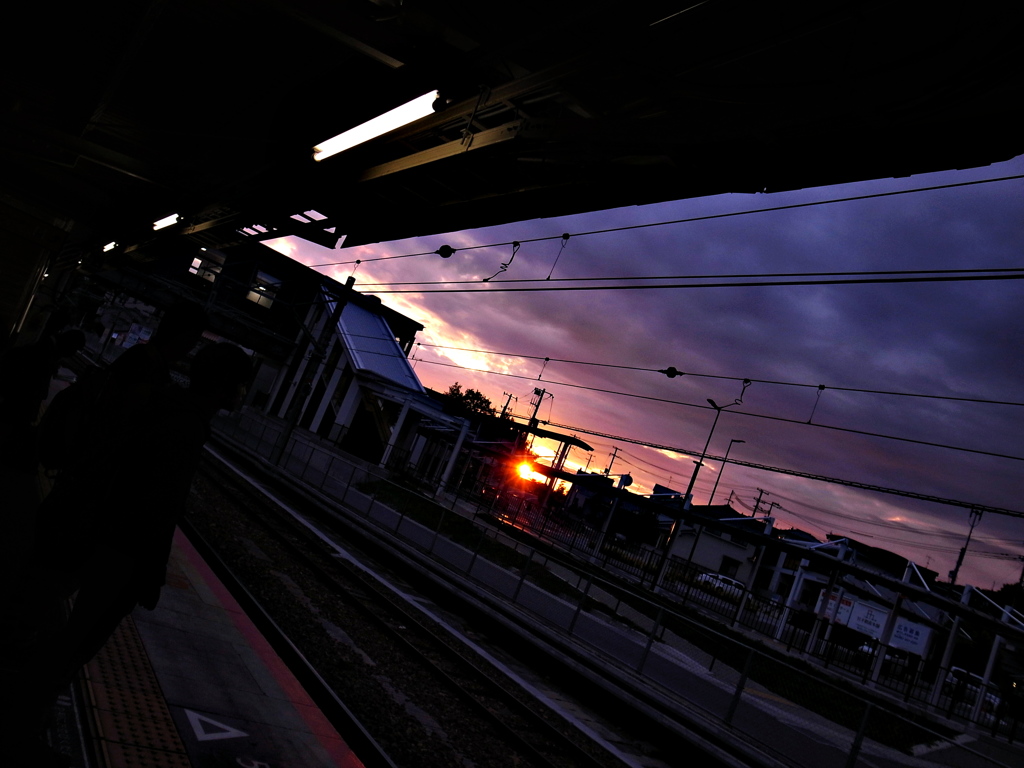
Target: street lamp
x,y
696,470
724,461
673,534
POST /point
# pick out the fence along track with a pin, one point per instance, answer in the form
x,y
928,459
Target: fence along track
x,y
333,479
516,718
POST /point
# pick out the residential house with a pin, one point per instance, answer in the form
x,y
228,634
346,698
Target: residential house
x,y
717,538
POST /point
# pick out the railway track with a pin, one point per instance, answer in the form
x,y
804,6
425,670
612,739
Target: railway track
x,y
422,697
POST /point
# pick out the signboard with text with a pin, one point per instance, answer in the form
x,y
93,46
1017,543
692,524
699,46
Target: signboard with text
x,y
871,619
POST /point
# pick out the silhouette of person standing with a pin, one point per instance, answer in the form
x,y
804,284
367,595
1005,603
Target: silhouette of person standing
x,y
156,458
25,375
80,429
108,398
144,367
113,547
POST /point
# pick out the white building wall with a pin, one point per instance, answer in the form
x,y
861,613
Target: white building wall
x,y
710,551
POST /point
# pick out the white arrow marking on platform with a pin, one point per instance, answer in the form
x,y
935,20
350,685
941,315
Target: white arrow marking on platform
x,y
210,730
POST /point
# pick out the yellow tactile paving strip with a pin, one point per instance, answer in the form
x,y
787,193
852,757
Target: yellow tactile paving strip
x,y
129,716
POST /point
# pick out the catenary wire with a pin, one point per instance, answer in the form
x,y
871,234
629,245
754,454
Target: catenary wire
x,y
830,524
708,217
738,413
833,428
761,275
725,378
832,513
737,284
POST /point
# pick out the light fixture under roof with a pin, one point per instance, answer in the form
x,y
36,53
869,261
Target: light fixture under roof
x,y
378,126
166,222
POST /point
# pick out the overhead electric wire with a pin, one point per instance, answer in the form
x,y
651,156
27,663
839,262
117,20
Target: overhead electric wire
x,y
761,275
917,543
741,284
707,217
738,413
619,458
795,473
724,378
651,398
832,514
937,547
624,452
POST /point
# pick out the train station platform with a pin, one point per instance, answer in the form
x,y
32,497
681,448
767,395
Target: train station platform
x,y
193,684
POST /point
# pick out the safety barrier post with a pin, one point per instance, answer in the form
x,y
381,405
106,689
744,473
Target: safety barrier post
x,y
437,531
650,640
740,685
579,607
522,578
858,740
476,552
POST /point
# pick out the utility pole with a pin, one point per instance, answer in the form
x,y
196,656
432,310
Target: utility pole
x,y
975,517
534,423
539,393
615,453
721,470
504,408
757,504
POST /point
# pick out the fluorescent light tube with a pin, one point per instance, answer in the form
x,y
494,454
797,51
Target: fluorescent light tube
x,y
170,220
378,126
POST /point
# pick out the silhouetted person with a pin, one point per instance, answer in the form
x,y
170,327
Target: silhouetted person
x,y
144,367
25,376
79,429
113,544
79,421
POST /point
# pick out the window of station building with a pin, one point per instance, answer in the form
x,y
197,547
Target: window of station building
x,y
264,289
207,266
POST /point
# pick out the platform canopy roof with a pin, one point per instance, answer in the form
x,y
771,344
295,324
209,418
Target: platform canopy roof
x,y
116,114
372,349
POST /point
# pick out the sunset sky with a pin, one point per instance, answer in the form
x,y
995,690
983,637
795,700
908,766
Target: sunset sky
x,y
954,351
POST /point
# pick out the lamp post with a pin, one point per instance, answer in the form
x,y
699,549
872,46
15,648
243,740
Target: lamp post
x,y
724,461
696,470
673,534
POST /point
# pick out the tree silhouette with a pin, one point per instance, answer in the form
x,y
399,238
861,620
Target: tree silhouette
x,y
469,401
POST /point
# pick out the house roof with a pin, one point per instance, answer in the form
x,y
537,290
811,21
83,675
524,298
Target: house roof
x,y
795,534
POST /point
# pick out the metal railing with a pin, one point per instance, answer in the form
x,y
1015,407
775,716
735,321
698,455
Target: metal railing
x,y
505,547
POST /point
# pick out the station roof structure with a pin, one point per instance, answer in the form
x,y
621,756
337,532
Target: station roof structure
x,y
120,113
371,346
